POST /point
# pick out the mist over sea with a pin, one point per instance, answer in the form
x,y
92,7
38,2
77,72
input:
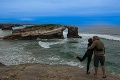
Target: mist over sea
x,y
61,51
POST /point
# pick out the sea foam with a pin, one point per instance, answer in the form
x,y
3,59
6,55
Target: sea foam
x,y
85,37
105,36
48,44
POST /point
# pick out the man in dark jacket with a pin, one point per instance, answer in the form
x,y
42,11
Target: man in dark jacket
x,y
99,51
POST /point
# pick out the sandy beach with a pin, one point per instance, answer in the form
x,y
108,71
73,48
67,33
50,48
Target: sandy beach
x,y
49,72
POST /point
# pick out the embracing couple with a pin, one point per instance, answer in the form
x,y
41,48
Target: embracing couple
x,y
95,46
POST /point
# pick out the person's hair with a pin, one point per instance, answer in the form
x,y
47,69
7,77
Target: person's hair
x,y
90,40
96,38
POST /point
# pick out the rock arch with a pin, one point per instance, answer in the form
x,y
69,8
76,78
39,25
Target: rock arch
x,y
46,31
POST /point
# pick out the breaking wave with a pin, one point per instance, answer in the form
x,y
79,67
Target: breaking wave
x,y
109,37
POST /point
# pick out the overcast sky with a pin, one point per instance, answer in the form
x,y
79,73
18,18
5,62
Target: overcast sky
x,y
29,9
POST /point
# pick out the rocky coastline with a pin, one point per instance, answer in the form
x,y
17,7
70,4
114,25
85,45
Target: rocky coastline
x,y
37,71
43,31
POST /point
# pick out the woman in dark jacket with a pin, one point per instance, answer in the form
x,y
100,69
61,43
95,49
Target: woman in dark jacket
x,y
88,54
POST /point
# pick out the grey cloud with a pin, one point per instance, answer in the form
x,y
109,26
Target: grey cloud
x,y
58,7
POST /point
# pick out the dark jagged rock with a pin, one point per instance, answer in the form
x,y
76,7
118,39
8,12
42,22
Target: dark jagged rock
x,y
47,31
8,26
73,32
1,65
1,26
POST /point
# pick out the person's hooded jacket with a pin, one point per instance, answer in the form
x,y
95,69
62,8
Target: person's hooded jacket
x,y
98,45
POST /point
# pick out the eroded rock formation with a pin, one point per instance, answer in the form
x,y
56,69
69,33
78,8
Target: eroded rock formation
x,y
1,65
8,26
48,31
73,32
44,31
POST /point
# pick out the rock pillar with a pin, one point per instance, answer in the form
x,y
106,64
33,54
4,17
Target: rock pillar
x,y
73,32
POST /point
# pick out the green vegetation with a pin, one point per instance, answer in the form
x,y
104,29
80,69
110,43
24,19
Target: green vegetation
x,y
43,27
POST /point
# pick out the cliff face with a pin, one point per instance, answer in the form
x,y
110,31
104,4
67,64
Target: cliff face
x,y
48,31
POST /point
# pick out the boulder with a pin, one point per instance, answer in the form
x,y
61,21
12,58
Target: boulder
x,y
47,31
8,26
1,26
73,32
1,65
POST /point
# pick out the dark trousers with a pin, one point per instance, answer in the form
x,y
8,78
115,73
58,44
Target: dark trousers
x,y
88,55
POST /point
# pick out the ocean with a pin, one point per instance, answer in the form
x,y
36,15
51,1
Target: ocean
x,y
61,51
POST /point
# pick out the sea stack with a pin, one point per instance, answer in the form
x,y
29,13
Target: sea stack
x,y
73,32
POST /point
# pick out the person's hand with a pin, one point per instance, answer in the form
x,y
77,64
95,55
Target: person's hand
x,y
74,56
